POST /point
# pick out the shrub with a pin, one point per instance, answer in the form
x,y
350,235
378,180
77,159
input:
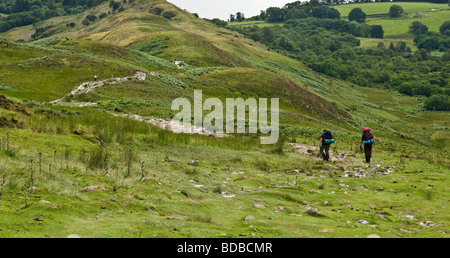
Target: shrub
x,y
169,15
438,103
357,14
91,17
444,27
418,28
376,31
395,11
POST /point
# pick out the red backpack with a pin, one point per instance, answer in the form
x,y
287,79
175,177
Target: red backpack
x,y
367,134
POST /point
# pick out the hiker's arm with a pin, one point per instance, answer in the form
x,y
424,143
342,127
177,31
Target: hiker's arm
x,y
320,141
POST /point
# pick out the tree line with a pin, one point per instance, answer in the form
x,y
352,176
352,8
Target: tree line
x,y
329,46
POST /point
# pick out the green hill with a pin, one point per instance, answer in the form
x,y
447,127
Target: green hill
x,y
96,165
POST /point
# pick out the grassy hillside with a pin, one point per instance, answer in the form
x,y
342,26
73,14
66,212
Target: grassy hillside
x,y
68,169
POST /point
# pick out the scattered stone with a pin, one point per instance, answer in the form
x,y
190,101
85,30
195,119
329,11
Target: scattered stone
x,y
93,188
44,201
193,162
73,236
325,203
373,236
427,224
381,216
260,206
410,217
279,208
32,189
313,212
250,218
311,191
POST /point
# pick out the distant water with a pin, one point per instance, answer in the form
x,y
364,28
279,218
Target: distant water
x,y
223,8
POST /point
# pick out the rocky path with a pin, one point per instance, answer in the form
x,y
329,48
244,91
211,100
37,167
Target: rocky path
x,y
352,165
172,125
86,87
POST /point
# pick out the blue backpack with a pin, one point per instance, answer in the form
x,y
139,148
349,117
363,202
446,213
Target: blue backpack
x,y
328,135
328,138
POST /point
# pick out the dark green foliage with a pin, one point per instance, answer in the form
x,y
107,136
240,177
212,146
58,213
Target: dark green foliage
x,y
418,28
217,22
438,103
328,47
298,10
395,11
169,15
357,14
26,12
91,17
445,28
432,40
114,5
376,31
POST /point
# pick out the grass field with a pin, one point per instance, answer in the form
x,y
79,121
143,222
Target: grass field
x,y
400,26
383,8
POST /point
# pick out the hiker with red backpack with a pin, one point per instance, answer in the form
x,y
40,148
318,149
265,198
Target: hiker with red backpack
x,y
325,143
368,140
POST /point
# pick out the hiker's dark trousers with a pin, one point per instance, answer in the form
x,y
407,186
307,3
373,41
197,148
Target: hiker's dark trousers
x,y
368,152
325,151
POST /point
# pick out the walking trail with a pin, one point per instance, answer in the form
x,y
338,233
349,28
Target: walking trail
x,y
86,87
347,161
166,124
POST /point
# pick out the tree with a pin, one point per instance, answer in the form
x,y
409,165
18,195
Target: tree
x,y
268,35
333,14
263,15
395,11
418,28
401,46
357,14
376,31
438,103
232,17
444,27
240,17
275,14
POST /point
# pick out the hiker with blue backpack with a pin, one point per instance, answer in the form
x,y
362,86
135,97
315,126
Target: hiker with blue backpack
x,y
325,143
368,140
